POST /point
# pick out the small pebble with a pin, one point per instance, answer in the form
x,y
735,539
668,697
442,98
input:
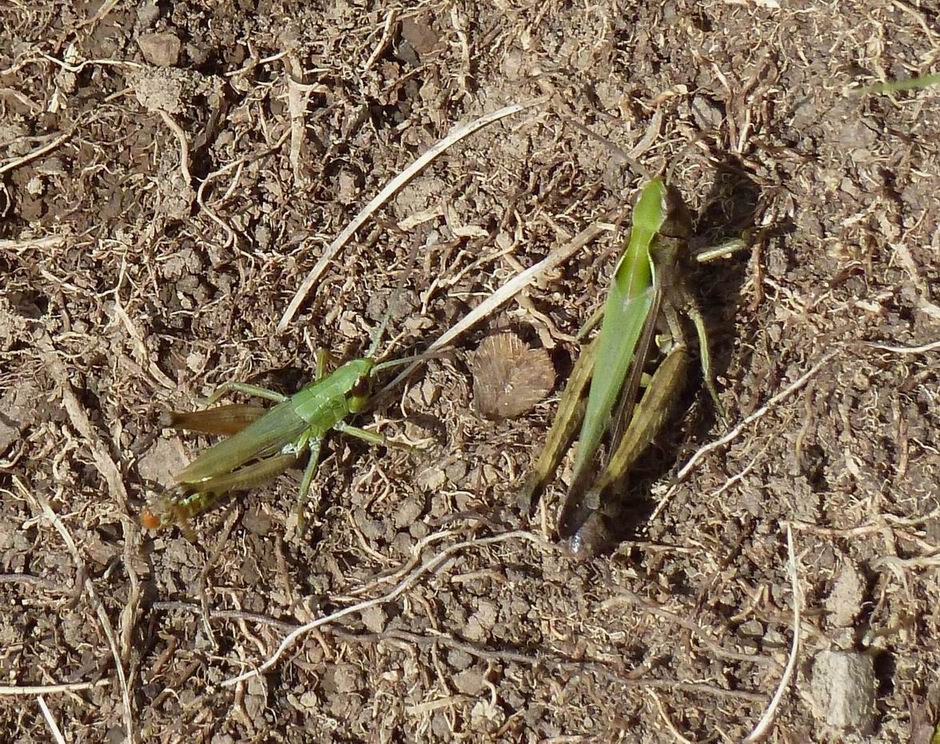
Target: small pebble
x,y
161,49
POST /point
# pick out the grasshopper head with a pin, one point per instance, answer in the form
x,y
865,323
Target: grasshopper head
x,y
361,389
678,219
150,519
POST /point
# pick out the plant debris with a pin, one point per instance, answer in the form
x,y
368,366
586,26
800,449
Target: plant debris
x,y
509,378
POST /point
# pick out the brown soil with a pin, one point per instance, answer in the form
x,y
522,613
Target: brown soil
x,y
169,174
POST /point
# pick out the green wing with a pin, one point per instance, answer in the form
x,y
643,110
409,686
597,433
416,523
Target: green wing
x,y
263,437
625,316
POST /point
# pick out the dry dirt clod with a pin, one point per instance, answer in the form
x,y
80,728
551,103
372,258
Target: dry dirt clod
x,y
159,90
374,619
845,600
843,690
469,681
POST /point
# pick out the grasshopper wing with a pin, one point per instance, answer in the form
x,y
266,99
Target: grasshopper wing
x,y
226,420
575,509
267,435
667,251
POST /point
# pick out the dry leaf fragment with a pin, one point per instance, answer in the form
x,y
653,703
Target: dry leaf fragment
x,y
509,378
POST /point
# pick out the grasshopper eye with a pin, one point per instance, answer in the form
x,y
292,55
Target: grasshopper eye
x,y
359,393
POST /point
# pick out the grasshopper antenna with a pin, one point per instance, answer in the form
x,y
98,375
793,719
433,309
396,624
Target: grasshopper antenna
x,y
393,302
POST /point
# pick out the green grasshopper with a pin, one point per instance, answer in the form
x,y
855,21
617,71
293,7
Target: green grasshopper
x,y
898,86
649,281
265,442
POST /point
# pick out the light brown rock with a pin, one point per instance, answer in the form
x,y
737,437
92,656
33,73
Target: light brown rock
x,y
160,49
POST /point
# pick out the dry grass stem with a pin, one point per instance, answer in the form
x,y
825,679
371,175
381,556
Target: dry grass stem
x,y
667,720
37,153
384,195
764,726
922,349
183,143
426,567
50,721
30,690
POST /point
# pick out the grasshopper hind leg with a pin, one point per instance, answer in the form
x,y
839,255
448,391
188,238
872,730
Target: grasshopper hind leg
x,y
698,320
594,521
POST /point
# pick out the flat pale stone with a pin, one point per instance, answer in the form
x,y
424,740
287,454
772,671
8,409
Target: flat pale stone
x,y
843,690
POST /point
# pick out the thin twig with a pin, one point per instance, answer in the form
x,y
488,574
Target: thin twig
x,y
931,346
384,195
627,596
50,721
112,475
38,152
762,729
104,62
183,143
538,660
736,431
742,474
920,561
387,33
665,716
13,690
21,578
550,662
298,93
411,563
400,589
884,521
